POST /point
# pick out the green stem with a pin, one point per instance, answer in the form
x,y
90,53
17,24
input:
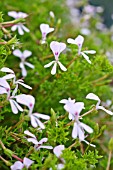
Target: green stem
x,y
109,160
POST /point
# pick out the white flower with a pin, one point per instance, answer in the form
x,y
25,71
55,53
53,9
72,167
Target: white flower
x,y
23,57
56,48
29,101
92,96
15,82
52,15
45,29
5,88
38,144
21,28
19,165
79,42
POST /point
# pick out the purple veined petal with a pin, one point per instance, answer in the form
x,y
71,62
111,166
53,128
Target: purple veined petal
x,y
25,28
80,134
89,143
43,140
62,67
4,84
27,53
13,14
71,41
14,27
57,48
70,116
90,52
40,124
33,140
2,90
75,131
23,69
15,106
7,70
27,162
25,85
27,132
15,90
29,65
18,53
26,100
17,166
86,57
45,147
86,127
79,40
9,76
42,116
58,150
105,110
20,29
22,15
49,64
53,71
44,28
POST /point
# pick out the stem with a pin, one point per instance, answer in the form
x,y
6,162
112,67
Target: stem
x,y
70,123
72,61
5,161
9,23
16,157
1,143
87,112
109,160
102,78
3,43
72,145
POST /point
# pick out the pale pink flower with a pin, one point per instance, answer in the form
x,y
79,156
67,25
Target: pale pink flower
x,y
79,42
57,48
19,165
45,29
29,101
92,96
21,28
23,57
37,144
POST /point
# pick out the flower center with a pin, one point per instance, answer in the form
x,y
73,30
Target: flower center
x,y
7,89
56,53
30,104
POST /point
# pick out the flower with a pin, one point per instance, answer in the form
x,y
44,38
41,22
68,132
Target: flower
x,y
78,129
66,102
58,150
5,88
23,57
15,82
21,28
45,29
79,42
38,144
57,48
19,165
29,101
92,96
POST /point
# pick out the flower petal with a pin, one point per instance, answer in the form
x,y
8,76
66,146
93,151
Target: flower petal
x,y
71,41
33,121
33,140
53,71
24,71
57,47
58,150
17,166
9,76
49,64
7,70
105,110
25,85
92,96
40,124
25,28
20,30
79,40
22,15
61,66
42,116
81,134
13,106
43,140
17,53
4,84
27,162
75,131
46,147
86,127
29,65
89,143
27,53
86,57
27,132
14,27
13,14
90,52
2,90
